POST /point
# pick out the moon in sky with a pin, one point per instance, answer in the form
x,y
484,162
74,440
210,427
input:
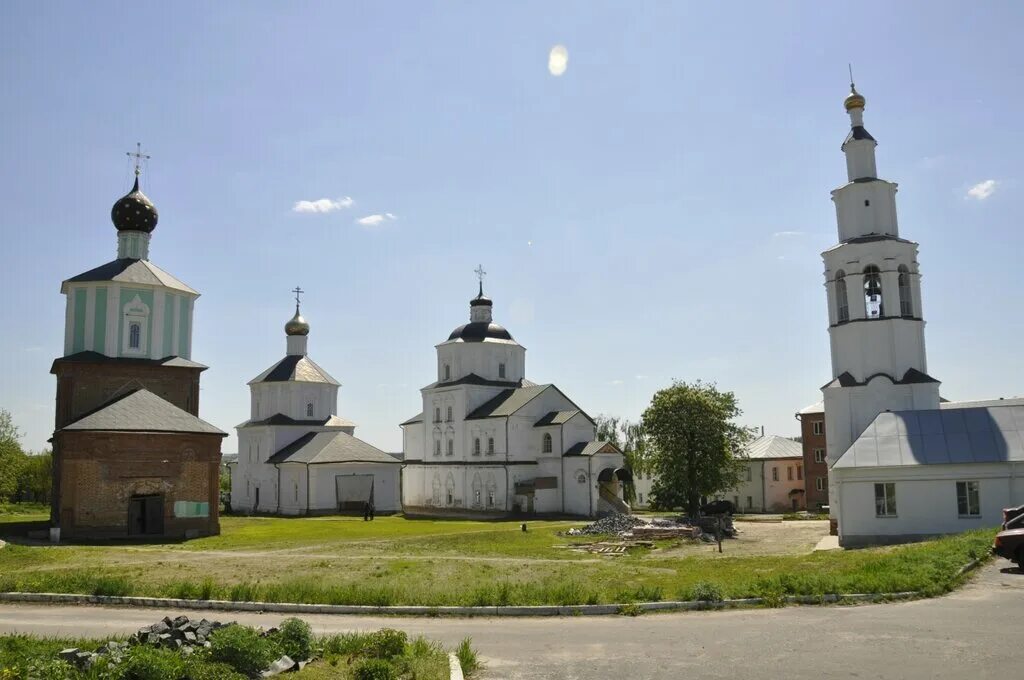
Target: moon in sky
x,y
558,60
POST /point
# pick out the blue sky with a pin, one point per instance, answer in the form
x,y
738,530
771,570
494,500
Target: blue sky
x,y
656,212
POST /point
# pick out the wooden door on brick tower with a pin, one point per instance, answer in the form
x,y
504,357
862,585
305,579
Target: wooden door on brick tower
x,y
145,515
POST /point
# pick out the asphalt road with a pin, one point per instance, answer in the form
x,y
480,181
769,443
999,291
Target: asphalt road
x,y
976,632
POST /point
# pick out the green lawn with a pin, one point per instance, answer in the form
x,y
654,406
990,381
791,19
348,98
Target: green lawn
x,y
395,560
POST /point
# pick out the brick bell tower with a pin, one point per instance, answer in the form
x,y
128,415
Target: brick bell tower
x,y
128,329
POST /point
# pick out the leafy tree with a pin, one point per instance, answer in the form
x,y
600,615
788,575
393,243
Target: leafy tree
x,y
11,456
692,444
35,477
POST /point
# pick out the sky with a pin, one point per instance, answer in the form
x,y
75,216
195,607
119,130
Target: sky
x,y
650,201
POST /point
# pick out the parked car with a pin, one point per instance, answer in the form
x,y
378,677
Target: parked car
x,y
1009,542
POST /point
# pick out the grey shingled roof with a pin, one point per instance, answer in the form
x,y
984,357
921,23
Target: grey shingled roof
x,y
132,271
90,357
294,367
556,418
590,448
141,411
507,402
331,447
773,446
418,418
985,434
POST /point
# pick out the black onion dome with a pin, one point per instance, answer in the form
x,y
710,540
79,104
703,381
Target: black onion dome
x,y
478,331
134,212
481,300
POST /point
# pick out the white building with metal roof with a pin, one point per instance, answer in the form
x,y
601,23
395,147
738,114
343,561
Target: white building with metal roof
x,y
490,442
296,456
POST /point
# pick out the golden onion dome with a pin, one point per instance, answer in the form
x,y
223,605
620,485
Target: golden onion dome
x,y
296,325
854,100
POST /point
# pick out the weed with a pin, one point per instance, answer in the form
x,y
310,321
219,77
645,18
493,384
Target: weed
x,y
468,658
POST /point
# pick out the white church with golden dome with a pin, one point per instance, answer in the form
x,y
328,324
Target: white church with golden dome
x,y
296,456
489,442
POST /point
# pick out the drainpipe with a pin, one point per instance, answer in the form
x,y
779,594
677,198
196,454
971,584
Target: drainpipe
x,y
278,466
307,489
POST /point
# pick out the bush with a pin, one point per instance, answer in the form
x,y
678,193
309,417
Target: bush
x,y
295,638
242,648
386,643
146,663
374,669
468,658
199,667
706,592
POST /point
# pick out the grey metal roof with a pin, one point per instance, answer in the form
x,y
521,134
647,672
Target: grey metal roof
x,y
129,271
507,402
773,446
818,407
985,434
331,447
297,368
1010,401
90,357
281,419
556,418
141,411
590,448
474,379
418,418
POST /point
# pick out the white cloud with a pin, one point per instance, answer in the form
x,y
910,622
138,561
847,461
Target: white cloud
x,y
982,190
376,220
558,60
323,205
787,234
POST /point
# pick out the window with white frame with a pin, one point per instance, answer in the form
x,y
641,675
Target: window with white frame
x,y
490,445
906,305
842,305
134,335
750,474
136,315
819,483
885,500
476,446
968,499
819,455
818,427
309,409
873,292
775,474
451,447
437,414
447,372
449,414
437,447
546,443
789,473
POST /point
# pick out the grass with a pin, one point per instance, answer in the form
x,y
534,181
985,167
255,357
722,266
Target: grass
x,y
24,656
399,561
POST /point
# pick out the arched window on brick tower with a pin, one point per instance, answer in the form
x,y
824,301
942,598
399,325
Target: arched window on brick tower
x,y
842,304
906,304
873,292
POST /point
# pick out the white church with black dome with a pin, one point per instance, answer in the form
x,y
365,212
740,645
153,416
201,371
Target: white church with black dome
x,y
490,442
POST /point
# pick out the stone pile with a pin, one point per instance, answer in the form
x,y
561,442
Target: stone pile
x,y
609,524
179,633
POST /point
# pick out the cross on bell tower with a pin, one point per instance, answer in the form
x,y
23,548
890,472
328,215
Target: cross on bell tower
x,y
139,157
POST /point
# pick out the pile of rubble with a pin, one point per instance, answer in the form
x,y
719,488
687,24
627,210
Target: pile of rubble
x,y
609,524
179,633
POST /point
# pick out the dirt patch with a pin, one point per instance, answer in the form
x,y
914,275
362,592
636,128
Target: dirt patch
x,y
758,538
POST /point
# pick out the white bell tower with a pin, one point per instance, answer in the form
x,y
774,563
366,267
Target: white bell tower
x,y
876,323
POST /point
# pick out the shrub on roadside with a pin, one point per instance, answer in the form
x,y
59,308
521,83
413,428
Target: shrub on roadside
x,y
468,658
242,648
295,638
146,663
374,669
199,667
386,643
706,592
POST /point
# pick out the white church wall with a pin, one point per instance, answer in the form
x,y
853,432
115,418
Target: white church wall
x,y
577,429
323,495
926,501
857,219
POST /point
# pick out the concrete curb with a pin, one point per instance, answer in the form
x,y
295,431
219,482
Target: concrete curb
x,y
362,610
455,668
972,565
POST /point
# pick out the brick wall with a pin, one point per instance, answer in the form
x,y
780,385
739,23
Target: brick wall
x,y
101,471
85,386
812,470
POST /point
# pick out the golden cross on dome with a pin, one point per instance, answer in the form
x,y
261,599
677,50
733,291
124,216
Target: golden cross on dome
x,y
298,291
138,156
480,274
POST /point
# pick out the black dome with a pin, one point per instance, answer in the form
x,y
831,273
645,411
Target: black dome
x,y
478,331
134,212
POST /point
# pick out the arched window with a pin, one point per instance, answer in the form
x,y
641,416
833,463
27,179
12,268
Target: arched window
x,y
501,370
873,292
134,336
490,445
476,446
546,443
437,414
449,414
842,304
437,447
447,372
906,305
309,409
451,447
